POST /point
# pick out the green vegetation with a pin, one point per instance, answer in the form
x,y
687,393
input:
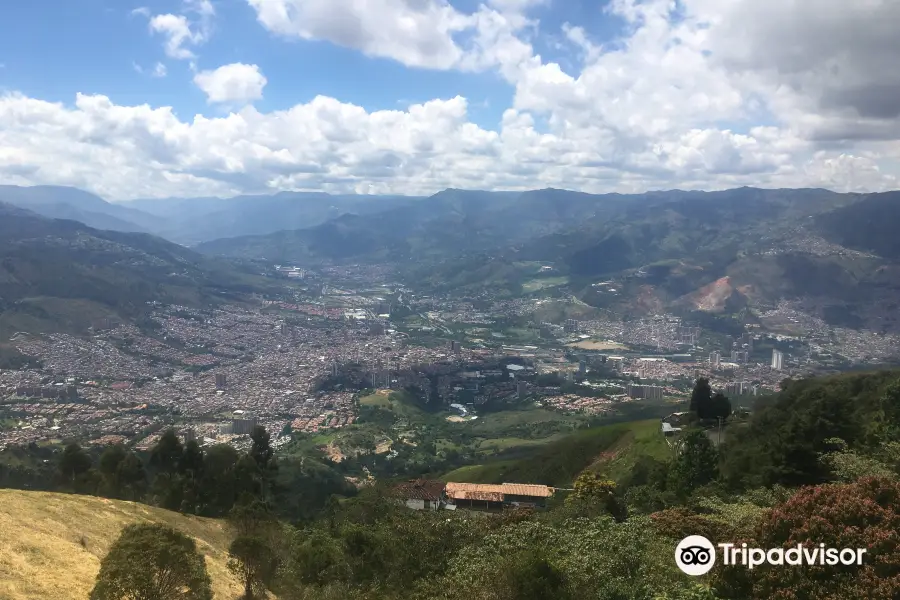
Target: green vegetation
x,y
152,562
816,463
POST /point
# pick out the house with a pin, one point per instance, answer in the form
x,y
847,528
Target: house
x,y
495,497
676,419
667,429
421,494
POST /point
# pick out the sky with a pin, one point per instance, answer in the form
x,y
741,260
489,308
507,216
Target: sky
x,y
145,98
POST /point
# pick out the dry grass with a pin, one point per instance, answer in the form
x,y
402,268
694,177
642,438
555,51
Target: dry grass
x,y
51,544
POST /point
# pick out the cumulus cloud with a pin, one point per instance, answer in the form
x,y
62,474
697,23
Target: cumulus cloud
x,y
672,103
179,31
232,83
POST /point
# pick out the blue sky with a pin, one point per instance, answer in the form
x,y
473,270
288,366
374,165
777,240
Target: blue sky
x,y
415,96
53,49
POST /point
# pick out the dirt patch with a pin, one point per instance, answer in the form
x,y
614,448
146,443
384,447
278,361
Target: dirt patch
x,y
598,345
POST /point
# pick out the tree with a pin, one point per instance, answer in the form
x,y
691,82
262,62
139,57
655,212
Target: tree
x,y
131,477
167,452
720,407
109,470
255,562
701,398
590,490
74,464
152,562
865,514
263,454
696,463
218,481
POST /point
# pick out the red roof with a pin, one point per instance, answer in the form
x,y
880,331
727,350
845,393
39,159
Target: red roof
x,y
420,489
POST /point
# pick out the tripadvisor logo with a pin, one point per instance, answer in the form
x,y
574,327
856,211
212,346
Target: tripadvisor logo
x,y
696,555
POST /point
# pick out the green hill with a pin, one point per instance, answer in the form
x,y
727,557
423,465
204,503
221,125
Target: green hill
x,y
59,275
52,544
610,449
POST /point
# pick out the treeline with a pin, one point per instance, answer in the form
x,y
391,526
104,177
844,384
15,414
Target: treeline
x,y
185,477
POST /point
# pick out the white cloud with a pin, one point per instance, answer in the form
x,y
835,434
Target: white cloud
x,y
179,31
178,34
232,83
159,70
722,93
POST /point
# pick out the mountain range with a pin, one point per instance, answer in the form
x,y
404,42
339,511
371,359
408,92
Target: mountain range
x,y
190,221
60,274
833,255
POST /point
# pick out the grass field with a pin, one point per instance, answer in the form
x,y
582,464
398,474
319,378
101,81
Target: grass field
x,y
41,554
611,450
598,345
540,283
643,438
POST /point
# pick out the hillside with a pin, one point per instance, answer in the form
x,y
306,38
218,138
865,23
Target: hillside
x,y
196,220
60,274
609,449
450,223
57,202
52,544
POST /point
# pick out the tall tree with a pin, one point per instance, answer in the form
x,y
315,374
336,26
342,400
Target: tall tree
x,y
166,454
720,407
701,398
74,464
255,562
132,477
165,459
152,562
110,460
696,463
219,480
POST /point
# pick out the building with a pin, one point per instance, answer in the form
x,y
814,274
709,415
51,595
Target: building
x,y
571,326
738,388
220,381
189,435
454,346
739,356
582,367
667,429
777,359
649,392
714,359
616,362
243,424
421,494
488,497
521,389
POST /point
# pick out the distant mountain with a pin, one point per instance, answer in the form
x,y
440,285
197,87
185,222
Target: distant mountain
x,y
870,225
57,274
448,223
59,202
195,220
719,252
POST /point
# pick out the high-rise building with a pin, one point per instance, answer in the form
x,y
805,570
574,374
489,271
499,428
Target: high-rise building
x,y
220,381
521,389
714,359
243,425
777,359
571,326
739,356
649,392
582,366
738,388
